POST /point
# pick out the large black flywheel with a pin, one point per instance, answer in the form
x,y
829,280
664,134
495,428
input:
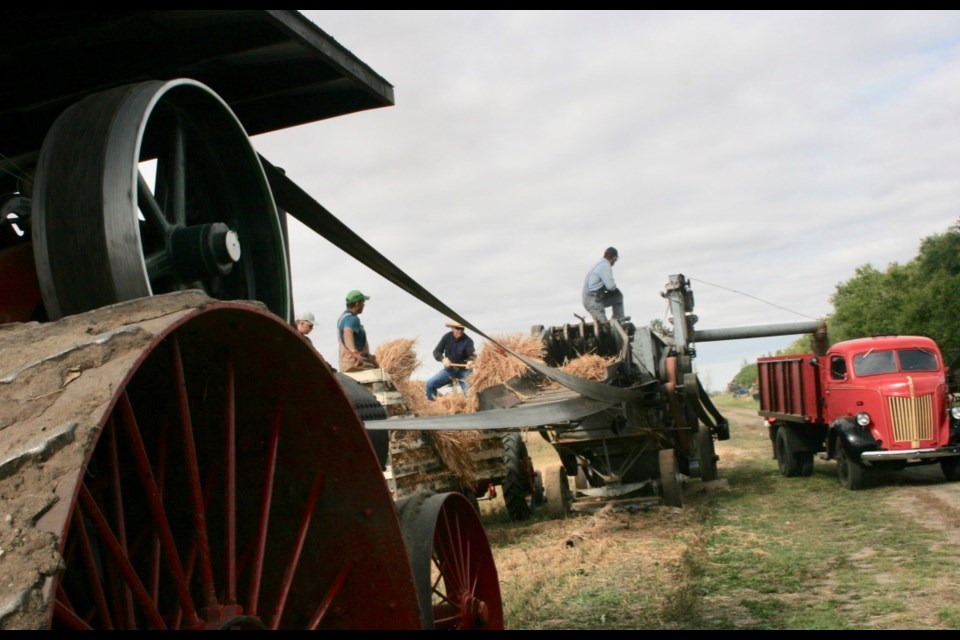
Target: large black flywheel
x,y
153,188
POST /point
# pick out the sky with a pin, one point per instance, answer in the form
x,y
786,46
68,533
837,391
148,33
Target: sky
x,y
763,155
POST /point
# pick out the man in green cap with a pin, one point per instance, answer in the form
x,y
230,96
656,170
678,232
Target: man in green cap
x,y
354,348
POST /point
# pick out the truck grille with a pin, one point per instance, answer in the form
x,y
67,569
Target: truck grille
x,y
912,418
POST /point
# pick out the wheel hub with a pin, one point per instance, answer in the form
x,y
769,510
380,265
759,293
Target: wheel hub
x,y
204,250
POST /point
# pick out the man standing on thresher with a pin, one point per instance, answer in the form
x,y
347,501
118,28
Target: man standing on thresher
x,y
600,290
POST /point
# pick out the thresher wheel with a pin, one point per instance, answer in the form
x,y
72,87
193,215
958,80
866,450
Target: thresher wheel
x,y
671,488
520,491
708,455
153,188
215,477
457,581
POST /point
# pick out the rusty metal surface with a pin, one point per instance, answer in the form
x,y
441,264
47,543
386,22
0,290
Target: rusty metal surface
x,y
59,383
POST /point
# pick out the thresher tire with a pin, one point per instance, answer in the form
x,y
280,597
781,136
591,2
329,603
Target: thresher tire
x,y
556,487
708,455
456,578
787,459
217,477
369,409
671,489
519,483
849,471
152,188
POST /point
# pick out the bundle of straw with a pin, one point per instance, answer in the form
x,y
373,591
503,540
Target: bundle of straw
x,y
495,366
589,366
399,358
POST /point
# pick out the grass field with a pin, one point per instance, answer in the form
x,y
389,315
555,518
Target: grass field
x,y
753,550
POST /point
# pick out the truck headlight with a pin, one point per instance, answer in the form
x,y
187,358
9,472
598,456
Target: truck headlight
x,y
863,419
955,412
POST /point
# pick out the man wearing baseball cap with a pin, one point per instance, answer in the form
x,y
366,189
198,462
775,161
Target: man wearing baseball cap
x,y
354,348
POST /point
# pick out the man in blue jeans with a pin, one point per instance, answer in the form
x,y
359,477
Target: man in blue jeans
x,y
600,290
457,354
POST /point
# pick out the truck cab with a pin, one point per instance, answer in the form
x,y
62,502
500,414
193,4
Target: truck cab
x,y
879,402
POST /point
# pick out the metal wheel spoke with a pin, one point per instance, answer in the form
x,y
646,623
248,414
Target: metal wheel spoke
x,y
129,574
160,520
68,618
156,221
230,543
155,554
318,484
264,520
158,265
120,525
331,594
89,562
193,475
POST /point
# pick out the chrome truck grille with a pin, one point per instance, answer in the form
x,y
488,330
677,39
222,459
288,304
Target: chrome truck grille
x,y
912,418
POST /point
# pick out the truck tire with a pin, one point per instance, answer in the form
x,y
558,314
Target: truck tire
x,y
849,471
806,463
787,458
950,468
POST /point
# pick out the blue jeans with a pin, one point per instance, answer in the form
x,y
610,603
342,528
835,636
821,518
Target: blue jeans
x,y
444,377
596,302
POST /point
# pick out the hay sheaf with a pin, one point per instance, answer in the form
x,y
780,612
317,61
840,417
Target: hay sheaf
x,y
589,366
399,358
495,365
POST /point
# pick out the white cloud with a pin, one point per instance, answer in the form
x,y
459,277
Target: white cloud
x,y
767,152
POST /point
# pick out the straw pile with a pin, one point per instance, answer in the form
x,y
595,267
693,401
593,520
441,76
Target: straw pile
x,y
399,358
495,366
589,366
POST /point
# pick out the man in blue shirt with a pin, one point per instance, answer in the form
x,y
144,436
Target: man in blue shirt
x,y
354,348
600,290
457,354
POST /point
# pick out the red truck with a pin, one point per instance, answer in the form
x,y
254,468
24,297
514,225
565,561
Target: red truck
x,y
870,403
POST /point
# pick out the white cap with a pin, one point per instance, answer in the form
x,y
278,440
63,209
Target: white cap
x,y
306,316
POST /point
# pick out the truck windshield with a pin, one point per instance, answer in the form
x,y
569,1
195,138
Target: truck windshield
x,y
917,360
877,362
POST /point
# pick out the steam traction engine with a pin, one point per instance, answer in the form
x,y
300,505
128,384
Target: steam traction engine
x,y
173,454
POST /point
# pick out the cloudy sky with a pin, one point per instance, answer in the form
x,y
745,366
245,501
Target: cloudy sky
x,y
764,155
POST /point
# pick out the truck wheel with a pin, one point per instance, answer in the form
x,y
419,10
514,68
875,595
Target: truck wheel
x,y
950,468
786,457
849,471
806,463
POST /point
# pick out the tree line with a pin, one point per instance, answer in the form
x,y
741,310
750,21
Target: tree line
x,y
920,297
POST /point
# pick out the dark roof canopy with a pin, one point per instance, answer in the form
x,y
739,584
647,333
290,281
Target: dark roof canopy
x,y
275,68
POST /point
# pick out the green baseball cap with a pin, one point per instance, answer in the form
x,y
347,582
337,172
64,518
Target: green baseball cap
x,y
356,296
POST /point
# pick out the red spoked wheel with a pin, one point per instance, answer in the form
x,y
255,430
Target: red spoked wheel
x,y
456,576
228,483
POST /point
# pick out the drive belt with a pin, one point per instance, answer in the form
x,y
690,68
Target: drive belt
x,y
295,201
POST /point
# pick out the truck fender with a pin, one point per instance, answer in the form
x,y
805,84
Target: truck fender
x,y
845,432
